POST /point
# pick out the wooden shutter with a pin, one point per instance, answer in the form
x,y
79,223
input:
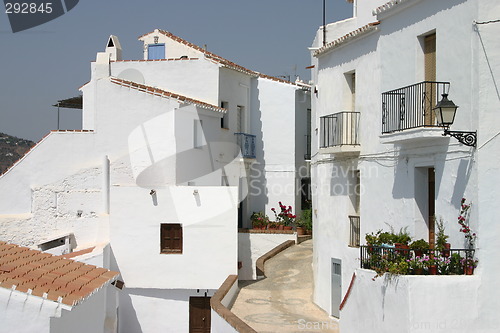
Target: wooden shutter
x,y
171,238
430,57
430,75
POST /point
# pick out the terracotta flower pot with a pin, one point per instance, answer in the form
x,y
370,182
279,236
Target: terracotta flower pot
x,y
402,249
288,227
418,253
300,231
469,270
433,269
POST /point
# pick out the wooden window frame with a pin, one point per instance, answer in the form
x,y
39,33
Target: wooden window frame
x,y
167,238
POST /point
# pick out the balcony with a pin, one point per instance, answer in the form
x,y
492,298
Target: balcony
x,y
339,133
407,113
246,142
405,261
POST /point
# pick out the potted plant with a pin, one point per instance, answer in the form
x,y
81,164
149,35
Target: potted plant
x,y
285,218
455,266
419,247
431,264
303,223
401,240
387,239
416,265
443,265
469,264
259,220
373,240
402,237
307,218
441,239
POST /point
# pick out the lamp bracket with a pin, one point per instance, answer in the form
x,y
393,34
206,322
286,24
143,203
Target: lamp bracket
x,y
466,138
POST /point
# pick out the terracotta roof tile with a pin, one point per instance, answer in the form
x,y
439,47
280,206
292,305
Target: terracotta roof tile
x,y
55,276
346,38
215,58
165,94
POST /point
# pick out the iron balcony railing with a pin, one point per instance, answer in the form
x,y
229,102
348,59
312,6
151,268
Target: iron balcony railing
x,y
307,155
246,142
339,129
411,106
448,261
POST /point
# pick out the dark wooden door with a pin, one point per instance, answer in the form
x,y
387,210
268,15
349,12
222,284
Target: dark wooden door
x,y
432,211
199,314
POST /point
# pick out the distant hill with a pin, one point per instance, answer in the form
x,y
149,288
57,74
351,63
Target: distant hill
x,y
11,150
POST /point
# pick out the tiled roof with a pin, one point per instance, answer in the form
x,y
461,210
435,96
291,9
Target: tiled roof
x,y
220,60
166,94
346,38
46,275
169,59
207,54
389,6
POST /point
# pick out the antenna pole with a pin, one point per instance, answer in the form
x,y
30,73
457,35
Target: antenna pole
x,y
324,22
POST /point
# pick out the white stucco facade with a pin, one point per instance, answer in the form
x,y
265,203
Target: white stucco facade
x,y
162,142
383,47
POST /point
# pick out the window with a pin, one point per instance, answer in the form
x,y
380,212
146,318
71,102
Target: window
x,y
354,230
224,121
171,238
156,51
354,219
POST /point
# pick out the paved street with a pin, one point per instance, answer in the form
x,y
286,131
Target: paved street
x,y
282,302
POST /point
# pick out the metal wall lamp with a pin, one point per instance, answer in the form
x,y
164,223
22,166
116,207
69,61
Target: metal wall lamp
x,y
445,113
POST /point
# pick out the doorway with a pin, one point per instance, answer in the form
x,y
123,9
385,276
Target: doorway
x,y
430,76
199,314
425,198
336,286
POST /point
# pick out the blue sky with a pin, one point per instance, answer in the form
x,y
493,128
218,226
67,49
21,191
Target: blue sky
x,y
49,62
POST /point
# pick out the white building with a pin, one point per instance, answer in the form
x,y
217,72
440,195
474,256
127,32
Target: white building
x,y
41,292
373,129
176,151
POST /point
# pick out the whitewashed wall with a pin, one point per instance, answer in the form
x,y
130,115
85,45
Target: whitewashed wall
x,y
89,316
451,304
487,52
389,59
202,83
209,236
253,246
274,175
156,310
26,314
